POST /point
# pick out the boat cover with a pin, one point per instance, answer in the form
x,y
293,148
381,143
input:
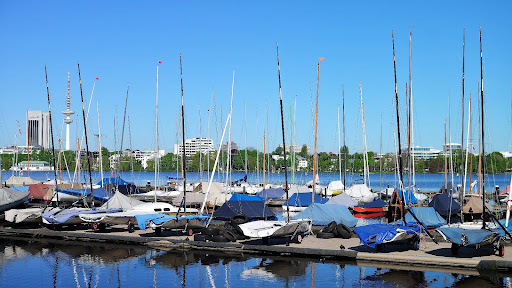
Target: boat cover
x,y
342,199
373,234
10,198
374,204
20,181
99,193
475,205
272,193
21,188
243,197
65,215
157,218
323,214
335,185
444,204
427,215
120,201
465,237
305,199
112,180
251,209
41,191
192,198
298,189
413,198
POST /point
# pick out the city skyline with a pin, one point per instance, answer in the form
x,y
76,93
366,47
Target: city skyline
x,y
125,44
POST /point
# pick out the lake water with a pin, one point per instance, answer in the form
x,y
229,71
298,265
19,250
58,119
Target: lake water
x,y
425,182
66,264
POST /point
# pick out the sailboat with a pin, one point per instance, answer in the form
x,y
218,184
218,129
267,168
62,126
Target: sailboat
x,y
292,229
377,235
181,219
361,191
477,233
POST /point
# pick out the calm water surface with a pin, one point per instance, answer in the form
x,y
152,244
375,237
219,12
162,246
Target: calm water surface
x,y
425,182
65,264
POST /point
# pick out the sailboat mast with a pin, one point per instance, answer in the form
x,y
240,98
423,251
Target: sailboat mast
x,y
156,132
51,135
85,132
483,134
365,156
184,162
462,125
316,131
411,112
344,147
398,129
122,139
284,144
339,143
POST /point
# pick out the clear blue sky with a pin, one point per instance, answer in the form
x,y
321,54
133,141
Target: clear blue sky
x,y
121,42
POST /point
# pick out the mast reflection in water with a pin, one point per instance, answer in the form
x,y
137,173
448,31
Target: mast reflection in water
x,y
73,264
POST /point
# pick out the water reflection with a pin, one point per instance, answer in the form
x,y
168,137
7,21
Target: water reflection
x,y
61,264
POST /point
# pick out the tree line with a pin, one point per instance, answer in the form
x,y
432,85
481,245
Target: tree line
x,y
327,162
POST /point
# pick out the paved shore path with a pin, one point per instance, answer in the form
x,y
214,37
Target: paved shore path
x,y
430,256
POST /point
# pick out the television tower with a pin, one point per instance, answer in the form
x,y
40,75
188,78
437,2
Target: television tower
x,y
68,112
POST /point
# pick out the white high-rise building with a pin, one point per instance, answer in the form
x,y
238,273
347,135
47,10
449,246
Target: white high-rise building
x,y
194,145
38,129
68,112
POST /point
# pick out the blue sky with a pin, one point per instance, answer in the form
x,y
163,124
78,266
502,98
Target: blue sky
x,y
120,42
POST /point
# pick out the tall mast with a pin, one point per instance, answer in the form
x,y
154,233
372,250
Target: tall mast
x,y
365,156
184,161
462,133
122,137
86,141
339,143
411,113
200,148
157,154
284,144
344,149
483,138
398,129
316,130
51,135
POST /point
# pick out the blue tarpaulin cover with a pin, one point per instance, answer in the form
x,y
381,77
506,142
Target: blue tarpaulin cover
x,y
466,237
273,193
158,218
374,204
244,197
323,214
99,193
441,203
427,215
65,215
251,209
304,199
373,234
406,194
112,180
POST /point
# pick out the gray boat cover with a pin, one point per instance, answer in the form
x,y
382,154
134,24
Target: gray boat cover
x,y
343,199
323,214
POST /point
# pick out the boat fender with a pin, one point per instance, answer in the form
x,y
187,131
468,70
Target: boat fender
x,y
239,219
343,231
210,231
229,235
325,235
330,227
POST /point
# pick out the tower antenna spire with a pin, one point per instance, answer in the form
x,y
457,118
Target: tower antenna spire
x,y
68,112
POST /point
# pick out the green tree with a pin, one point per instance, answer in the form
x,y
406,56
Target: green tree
x,y
304,151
